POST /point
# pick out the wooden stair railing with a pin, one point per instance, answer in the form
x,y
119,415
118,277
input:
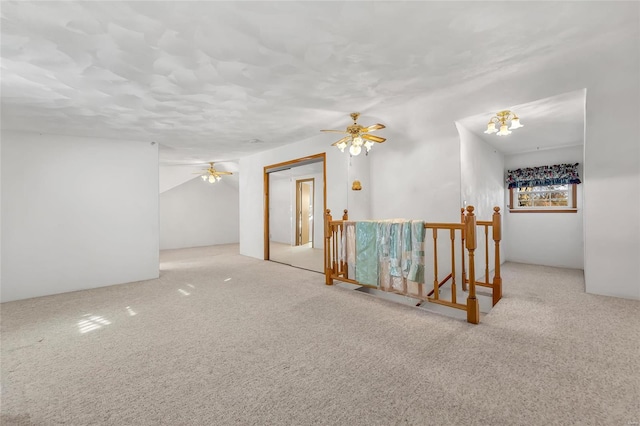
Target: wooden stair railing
x,y
435,295
336,267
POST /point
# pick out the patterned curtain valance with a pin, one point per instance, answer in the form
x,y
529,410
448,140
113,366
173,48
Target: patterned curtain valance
x,y
558,174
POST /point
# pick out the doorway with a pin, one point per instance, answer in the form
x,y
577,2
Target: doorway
x,y
294,202
304,211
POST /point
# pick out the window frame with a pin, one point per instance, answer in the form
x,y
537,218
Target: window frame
x,y
555,209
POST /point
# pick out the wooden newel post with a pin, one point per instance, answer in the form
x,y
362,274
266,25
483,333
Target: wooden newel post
x,y
464,271
473,308
328,270
497,236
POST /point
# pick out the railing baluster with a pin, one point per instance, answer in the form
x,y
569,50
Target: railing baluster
x,y
339,244
453,265
436,287
335,251
486,253
328,278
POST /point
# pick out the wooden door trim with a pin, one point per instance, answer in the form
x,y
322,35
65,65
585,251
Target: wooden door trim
x,y
293,163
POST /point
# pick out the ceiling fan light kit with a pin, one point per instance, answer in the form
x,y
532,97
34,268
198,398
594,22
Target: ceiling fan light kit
x,y
210,178
357,136
211,175
501,118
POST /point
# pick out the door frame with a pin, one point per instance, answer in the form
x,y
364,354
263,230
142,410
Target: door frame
x,y
299,183
316,158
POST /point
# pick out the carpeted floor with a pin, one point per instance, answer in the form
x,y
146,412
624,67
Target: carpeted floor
x,y
304,256
222,339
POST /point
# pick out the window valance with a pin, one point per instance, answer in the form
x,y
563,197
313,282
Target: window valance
x,y
559,174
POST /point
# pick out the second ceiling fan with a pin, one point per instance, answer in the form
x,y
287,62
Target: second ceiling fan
x,y
211,174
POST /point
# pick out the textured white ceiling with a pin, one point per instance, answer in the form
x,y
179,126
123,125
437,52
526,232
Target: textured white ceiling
x,y
219,80
552,122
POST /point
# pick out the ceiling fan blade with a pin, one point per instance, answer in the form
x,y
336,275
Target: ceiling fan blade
x,y
373,127
335,131
373,138
223,173
345,139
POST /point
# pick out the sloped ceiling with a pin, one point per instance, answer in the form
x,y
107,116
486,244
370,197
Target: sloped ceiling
x,y
214,81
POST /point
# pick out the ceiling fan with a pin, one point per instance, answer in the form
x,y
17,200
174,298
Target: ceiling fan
x,y
358,136
211,174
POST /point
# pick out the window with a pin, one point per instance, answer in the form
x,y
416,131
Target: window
x,y
543,189
543,198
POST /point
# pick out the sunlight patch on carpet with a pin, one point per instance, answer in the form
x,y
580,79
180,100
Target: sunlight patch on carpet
x,y
91,323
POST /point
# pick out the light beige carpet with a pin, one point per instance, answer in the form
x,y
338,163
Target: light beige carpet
x,y
304,256
222,339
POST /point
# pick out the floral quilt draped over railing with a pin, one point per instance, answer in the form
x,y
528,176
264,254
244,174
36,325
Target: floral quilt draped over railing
x,y
558,174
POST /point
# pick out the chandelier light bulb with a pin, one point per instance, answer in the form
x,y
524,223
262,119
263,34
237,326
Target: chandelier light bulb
x,y
204,177
504,131
341,146
212,179
357,141
355,149
218,178
491,128
368,145
515,123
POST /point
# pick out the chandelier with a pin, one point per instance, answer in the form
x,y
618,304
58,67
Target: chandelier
x,y
501,118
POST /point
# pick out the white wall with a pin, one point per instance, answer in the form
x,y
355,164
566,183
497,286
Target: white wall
x,y
0,217
359,202
281,207
416,173
612,174
552,239
482,175
77,213
482,186
199,213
